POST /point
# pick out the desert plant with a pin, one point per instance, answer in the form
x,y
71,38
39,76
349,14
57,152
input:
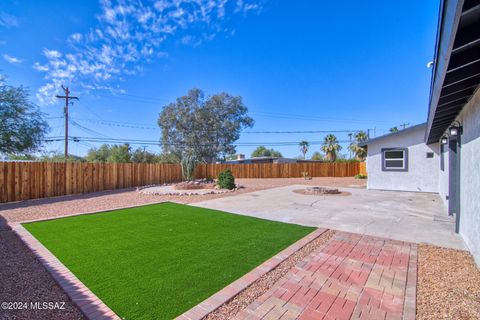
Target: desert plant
x,y
226,180
306,176
188,163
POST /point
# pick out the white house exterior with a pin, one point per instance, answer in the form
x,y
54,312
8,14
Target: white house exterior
x,y
452,130
420,162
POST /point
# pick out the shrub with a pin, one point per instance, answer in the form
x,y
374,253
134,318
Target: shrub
x,y
360,176
226,180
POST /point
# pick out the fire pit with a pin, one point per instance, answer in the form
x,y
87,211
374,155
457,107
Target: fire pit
x,y
321,191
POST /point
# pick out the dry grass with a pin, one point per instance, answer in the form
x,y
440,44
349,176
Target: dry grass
x,y
448,284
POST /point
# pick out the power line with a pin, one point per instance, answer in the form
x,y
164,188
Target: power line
x,y
156,142
148,127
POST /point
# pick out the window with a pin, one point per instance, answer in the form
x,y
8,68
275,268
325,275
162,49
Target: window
x,y
429,155
395,159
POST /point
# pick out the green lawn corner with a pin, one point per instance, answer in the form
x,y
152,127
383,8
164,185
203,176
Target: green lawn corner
x,y
158,261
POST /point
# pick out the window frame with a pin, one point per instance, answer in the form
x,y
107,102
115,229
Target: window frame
x,y
404,159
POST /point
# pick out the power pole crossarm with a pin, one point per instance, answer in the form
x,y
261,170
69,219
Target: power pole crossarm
x,y
67,98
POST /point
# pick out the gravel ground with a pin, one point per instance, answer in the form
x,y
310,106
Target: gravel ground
x,y
24,279
448,284
67,205
259,287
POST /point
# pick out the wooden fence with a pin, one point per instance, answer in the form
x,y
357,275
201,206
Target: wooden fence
x,y
284,170
33,180
363,168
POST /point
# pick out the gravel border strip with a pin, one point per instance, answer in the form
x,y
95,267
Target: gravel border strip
x,y
226,299
265,282
89,304
84,213
410,302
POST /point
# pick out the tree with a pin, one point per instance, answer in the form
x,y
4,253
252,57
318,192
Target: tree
x,y
393,129
304,147
55,156
22,127
262,151
120,154
165,157
331,147
317,156
113,154
203,127
99,154
359,152
142,156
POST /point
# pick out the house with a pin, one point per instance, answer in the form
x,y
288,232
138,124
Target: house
x,y
403,161
241,159
443,154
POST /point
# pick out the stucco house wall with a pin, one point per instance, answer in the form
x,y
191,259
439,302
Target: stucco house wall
x,y
470,176
443,175
422,174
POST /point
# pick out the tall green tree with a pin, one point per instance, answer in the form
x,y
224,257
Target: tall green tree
x,y
359,152
331,147
117,153
304,145
262,151
100,154
120,153
22,126
205,127
140,155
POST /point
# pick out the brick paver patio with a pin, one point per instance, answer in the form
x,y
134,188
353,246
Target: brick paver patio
x,y
351,277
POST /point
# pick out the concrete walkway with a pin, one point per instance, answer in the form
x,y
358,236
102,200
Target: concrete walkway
x,y
351,277
405,216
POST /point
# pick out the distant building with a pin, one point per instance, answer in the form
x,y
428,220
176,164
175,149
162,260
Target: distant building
x,y
242,160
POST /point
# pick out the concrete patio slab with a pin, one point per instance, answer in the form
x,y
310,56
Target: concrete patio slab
x,y
405,216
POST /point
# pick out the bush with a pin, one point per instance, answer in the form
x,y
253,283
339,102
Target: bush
x,y
226,180
360,176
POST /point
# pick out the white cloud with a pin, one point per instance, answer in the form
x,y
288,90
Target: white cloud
x,y
128,34
37,66
11,59
51,54
76,37
7,20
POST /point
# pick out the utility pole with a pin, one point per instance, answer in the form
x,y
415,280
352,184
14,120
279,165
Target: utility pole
x,y
404,125
67,97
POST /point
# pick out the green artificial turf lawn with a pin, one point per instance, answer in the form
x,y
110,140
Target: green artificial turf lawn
x,y
158,261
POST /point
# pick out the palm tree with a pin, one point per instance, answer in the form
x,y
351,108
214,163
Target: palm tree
x,y
360,153
304,147
331,147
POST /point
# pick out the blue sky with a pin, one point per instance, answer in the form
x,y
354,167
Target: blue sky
x,y
302,65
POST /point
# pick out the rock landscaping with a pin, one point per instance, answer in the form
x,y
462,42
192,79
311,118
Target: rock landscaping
x,y
186,188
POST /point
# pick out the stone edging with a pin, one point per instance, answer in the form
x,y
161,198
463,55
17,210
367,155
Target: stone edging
x,y
409,306
89,304
215,301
